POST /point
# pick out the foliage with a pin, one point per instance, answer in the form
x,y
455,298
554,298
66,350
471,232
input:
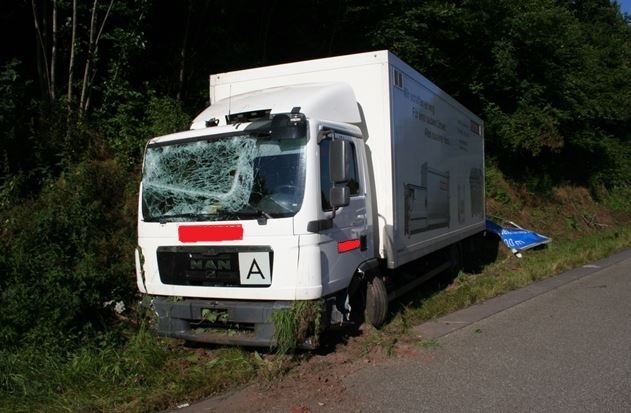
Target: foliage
x,y
292,326
509,274
66,253
617,198
9,90
551,79
16,155
496,186
145,374
137,117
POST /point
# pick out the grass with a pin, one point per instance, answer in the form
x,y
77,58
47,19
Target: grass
x,y
430,344
511,273
148,374
296,324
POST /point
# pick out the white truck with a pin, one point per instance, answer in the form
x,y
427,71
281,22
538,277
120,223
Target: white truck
x,y
314,181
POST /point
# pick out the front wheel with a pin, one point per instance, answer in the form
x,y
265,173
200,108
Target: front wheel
x,y
376,302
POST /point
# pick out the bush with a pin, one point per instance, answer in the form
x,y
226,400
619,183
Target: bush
x,y
65,254
68,225
138,118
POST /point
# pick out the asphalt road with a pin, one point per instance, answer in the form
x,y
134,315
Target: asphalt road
x,y
563,345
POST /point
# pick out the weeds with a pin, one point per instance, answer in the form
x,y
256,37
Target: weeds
x,y
430,344
147,374
293,326
512,273
382,340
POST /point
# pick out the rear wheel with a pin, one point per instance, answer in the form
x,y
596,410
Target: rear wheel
x,y
455,259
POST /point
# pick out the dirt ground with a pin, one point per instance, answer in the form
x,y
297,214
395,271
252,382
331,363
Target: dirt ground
x,y
315,384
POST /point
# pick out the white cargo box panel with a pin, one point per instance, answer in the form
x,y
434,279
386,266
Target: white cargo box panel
x,y
426,150
438,166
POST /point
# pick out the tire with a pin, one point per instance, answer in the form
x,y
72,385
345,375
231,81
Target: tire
x,y
454,255
376,302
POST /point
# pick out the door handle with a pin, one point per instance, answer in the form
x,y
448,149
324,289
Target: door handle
x,y
360,219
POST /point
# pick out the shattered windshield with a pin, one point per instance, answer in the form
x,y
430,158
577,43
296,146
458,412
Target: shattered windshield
x,y
223,178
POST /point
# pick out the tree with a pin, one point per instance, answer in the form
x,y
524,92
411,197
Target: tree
x,y
94,37
79,39
46,60
551,79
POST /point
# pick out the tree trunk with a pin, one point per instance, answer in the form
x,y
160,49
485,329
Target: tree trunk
x,y
73,46
53,52
88,61
43,72
93,45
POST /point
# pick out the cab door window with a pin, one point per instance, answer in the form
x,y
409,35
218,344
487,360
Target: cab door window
x,y
325,180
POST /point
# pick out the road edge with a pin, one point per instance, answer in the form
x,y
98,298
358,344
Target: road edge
x,y
449,323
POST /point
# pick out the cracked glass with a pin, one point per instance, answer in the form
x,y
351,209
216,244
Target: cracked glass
x,y
223,178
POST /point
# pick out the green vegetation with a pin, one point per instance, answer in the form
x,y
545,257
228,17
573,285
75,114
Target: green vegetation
x,y
430,344
145,374
292,326
84,85
511,273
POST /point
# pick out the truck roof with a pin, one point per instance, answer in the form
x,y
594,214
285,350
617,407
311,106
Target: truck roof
x,y
334,101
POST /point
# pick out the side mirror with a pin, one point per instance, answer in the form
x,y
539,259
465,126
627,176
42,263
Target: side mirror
x,y
340,196
339,161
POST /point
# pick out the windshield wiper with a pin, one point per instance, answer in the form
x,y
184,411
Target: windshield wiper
x,y
163,219
261,216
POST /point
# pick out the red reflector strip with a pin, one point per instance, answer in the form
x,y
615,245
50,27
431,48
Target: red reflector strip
x,y
200,233
346,246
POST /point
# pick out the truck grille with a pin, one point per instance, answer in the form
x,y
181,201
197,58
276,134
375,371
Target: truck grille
x,y
203,266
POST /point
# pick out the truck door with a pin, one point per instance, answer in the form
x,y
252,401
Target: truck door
x,y
348,242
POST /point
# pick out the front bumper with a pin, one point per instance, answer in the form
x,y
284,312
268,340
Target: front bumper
x,y
233,322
